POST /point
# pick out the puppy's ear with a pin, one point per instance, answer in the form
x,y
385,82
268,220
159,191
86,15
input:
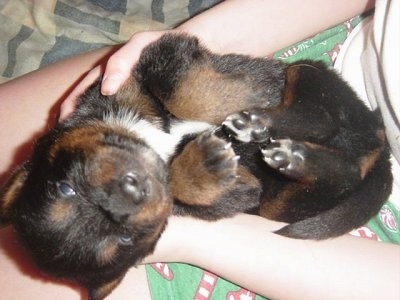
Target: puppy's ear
x,y
9,193
100,292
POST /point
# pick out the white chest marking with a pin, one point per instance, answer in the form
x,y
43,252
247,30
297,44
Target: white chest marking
x,y
160,141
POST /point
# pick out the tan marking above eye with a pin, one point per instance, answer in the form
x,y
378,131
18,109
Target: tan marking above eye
x,y
61,211
106,251
80,138
84,139
103,168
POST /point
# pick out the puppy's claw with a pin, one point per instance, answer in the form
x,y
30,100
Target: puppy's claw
x,y
215,129
236,158
228,146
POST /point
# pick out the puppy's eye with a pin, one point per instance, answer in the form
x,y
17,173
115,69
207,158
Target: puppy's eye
x,y
125,240
65,189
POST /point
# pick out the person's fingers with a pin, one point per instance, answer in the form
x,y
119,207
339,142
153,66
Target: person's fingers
x,y
117,70
68,105
121,63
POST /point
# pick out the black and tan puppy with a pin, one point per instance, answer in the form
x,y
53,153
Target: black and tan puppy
x,y
95,195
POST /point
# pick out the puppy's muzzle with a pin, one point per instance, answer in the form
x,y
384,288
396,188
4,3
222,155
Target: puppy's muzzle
x,y
135,188
128,194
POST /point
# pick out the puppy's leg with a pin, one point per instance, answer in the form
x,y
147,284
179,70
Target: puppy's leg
x,y
326,145
204,170
165,62
311,163
206,180
331,193
301,123
226,84
318,178
193,83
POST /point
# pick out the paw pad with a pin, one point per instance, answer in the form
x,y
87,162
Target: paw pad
x,y
219,157
247,126
284,155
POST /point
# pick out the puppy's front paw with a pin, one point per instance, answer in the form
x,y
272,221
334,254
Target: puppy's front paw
x,y
247,126
219,159
285,155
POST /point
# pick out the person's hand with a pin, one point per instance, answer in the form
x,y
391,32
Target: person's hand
x,y
120,64
116,71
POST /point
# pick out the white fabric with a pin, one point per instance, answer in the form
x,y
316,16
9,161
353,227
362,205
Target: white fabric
x,y
369,61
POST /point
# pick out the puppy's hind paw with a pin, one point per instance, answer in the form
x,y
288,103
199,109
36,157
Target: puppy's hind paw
x,y
286,156
246,126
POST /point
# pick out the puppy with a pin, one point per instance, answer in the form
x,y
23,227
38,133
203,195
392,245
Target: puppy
x,y
194,133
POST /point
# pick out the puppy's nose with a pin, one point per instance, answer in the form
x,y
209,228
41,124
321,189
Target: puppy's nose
x,y
134,187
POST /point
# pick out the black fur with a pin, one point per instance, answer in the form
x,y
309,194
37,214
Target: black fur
x,y
95,195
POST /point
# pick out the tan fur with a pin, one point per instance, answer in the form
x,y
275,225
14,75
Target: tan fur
x,y
244,175
155,234
367,162
130,95
11,191
106,289
60,211
103,168
204,188
158,208
83,138
292,75
273,209
107,252
200,190
198,102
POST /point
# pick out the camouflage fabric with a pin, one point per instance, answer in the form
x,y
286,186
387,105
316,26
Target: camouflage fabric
x,y
36,33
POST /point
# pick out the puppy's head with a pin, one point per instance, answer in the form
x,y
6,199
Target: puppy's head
x,y
89,204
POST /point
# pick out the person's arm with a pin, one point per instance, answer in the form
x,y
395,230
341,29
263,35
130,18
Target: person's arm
x,y
253,27
261,27
20,278
29,104
244,250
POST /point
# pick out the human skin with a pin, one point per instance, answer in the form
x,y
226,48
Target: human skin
x,y
244,249
338,268
342,268
30,104
266,27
